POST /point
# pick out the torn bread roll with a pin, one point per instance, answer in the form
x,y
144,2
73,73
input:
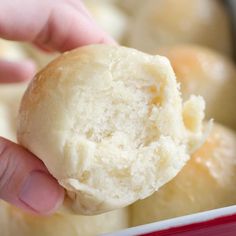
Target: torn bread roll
x,y
206,182
171,22
204,72
109,124
16,222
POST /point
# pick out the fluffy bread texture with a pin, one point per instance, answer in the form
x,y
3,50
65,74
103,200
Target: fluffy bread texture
x,y
15,222
109,124
170,22
109,17
204,72
206,182
10,97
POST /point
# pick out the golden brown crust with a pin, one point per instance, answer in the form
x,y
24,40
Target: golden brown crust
x,y
204,72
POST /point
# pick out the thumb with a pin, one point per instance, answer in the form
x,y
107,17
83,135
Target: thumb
x,y
25,181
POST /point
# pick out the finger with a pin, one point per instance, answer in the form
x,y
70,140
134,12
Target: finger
x,y
61,26
25,182
72,30
12,72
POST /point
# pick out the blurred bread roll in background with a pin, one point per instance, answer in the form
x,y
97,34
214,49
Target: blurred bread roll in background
x,y
40,57
113,127
204,72
131,7
11,51
109,17
15,222
206,182
10,97
170,22
18,51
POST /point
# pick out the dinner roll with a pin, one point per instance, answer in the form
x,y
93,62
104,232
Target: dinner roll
x,y
109,124
170,22
15,222
109,17
10,97
11,51
204,72
207,182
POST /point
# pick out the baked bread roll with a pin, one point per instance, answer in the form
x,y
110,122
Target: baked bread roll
x,y
206,182
10,97
109,124
15,222
109,17
170,22
204,72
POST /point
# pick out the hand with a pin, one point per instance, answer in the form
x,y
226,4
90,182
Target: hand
x,y
25,182
55,25
58,25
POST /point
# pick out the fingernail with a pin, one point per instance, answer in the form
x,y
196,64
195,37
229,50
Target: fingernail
x,y
41,192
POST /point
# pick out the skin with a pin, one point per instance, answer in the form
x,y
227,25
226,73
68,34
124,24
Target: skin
x,y
53,26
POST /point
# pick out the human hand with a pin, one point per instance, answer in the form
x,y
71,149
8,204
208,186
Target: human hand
x,y
25,181
53,25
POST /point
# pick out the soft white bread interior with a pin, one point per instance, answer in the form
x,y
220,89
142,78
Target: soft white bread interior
x,y
109,124
15,222
206,182
10,97
170,22
204,72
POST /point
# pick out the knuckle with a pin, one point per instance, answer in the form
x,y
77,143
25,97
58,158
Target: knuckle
x,y
5,163
4,152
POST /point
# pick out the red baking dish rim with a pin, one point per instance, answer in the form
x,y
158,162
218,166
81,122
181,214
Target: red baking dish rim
x,y
221,226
